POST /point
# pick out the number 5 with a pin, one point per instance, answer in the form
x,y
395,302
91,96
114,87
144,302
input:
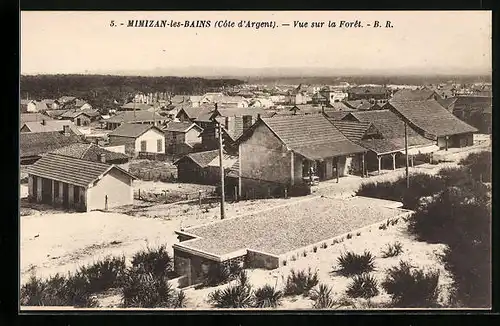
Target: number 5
x,y
112,23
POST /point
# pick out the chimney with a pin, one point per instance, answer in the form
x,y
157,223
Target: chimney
x,y
102,157
258,116
215,104
66,130
323,109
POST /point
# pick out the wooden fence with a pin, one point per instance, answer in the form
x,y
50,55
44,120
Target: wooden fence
x,y
166,197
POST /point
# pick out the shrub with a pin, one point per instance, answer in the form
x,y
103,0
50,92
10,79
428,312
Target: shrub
x,y
382,226
267,297
349,236
153,260
324,245
363,286
315,249
219,273
284,262
322,297
478,165
179,300
104,274
146,290
358,234
411,288
354,264
300,282
392,250
57,291
304,253
235,296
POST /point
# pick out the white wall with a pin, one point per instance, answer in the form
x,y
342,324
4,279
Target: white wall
x,y
116,149
151,136
193,136
116,185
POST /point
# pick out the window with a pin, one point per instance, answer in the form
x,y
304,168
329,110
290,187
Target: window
x,y
76,194
159,146
143,146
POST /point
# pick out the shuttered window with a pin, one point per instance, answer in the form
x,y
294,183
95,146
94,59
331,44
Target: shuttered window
x,y
143,146
159,146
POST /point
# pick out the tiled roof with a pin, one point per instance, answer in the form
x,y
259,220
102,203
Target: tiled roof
x,y
234,170
55,113
472,103
337,115
413,95
353,130
65,99
312,136
37,143
51,125
179,126
132,130
339,106
136,106
382,146
195,112
76,112
368,90
239,112
70,170
27,117
137,116
431,117
89,152
200,158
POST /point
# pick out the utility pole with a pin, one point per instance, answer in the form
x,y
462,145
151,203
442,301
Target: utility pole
x,y
406,154
222,211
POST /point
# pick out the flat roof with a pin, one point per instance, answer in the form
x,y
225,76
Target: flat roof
x,y
287,228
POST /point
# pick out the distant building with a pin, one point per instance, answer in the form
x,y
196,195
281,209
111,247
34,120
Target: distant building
x,y
140,117
138,138
368,93
182,137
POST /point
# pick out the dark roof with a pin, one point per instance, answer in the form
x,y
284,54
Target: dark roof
x,y
382,146
180,126
413,94
431,117
70,170
448,103
472,103
65,99
195,112
132,130
89,152
51,125
353,130
136,106
76,112
311,136
337,115
339,106
56,113
239,112
37,143
131,116
200,158
27,117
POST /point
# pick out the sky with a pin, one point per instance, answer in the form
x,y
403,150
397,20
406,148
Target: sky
x,y
84,42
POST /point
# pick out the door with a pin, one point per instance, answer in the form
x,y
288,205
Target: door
x,y
78,122
46,191
322,170
35,186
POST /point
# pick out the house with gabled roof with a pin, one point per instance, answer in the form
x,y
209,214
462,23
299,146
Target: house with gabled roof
x,y
94,153
287,151
81,117
138,138
387,146
474,110
37,116
79,184
182,137
49,126
422,94
139,117
431,120
368,93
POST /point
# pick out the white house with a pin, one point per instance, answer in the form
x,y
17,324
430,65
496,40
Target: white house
x,y
138,138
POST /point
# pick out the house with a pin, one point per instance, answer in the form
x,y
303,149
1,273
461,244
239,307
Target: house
x,y
94,153
362,105
56,114
73,183
387,145
336,115
138,138
368,93
262,103
181,137
302,109
237,101
81,117
27,106
297,96
333,95
474,110
82,105
191,113
28,117
281,152
64,100
203,167
134,106
140,117
33,145
434,122
415,95
49,126
319,99
338,106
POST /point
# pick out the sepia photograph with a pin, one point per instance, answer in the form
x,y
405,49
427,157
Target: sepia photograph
x,y
255,160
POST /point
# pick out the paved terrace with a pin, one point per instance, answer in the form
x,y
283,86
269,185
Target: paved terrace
x,y
283,229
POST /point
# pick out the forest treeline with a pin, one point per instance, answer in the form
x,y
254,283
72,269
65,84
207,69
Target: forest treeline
x,y
102,90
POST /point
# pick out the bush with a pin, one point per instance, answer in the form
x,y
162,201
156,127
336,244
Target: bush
x,y
105,274
57,291
355,264
322,297
478,165
146,290
300,282
153,260
235,296
363,286
411,288
393,250
267,297
179,300
220,274
456,214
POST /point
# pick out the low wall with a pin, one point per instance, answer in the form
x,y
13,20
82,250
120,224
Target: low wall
x,y
256,259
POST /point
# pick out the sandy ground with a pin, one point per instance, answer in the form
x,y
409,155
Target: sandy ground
x,y
324,261
158,187
58,242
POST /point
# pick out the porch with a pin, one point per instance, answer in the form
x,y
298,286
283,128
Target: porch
x,y
56,193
